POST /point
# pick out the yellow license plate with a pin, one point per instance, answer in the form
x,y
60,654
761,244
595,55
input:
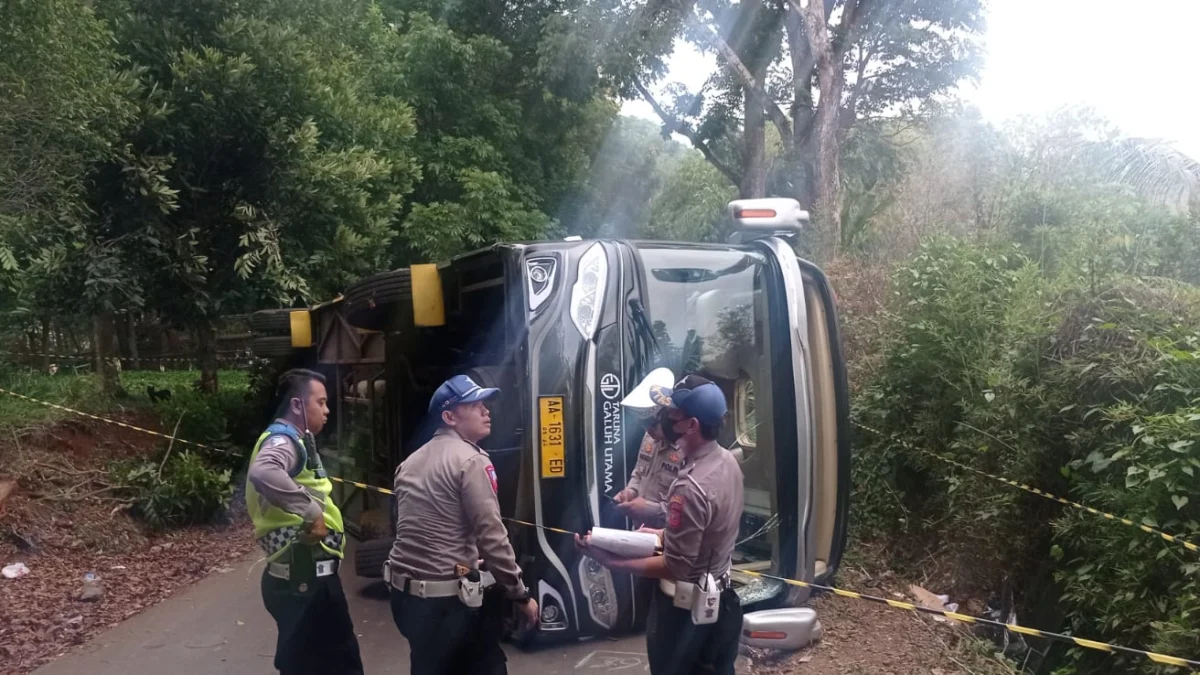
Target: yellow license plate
x,y
553,441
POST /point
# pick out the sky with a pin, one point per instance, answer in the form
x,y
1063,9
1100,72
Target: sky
x,y
1130,60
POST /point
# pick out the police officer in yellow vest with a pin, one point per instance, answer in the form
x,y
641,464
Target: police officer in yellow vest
x,y
300,529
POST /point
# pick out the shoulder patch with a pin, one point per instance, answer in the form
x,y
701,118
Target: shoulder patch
x,y
491,472
276,441
675,511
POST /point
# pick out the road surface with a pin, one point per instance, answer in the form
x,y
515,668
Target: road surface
x,y
219,626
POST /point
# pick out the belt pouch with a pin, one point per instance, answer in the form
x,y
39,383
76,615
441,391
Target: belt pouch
x,y
470,589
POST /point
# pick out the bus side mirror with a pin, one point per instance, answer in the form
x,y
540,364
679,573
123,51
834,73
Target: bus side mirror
x,y
757,218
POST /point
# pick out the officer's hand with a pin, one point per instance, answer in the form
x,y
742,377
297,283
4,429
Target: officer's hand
x,y
656,532
317,530
529,611
625,495
584,545
639,509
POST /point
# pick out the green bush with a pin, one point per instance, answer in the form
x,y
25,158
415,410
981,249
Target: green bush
x,y
211,419
1089,393
180,491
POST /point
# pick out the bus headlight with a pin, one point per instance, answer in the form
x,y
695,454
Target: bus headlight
x,y
587,295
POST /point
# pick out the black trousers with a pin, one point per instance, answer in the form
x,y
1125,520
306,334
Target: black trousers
x,y
316,634
676,646
446,637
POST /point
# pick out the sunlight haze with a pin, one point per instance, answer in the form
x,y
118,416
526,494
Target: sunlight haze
x,y
1045,54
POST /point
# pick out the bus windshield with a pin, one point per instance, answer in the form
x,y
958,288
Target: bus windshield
x,y
708,314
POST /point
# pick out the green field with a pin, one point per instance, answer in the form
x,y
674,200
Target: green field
x,y
82,392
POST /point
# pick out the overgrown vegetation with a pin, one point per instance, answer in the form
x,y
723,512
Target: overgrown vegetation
x,y
179,490
178,485
1080,389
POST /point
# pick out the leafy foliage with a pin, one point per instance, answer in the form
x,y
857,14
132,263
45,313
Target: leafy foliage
x,y
505,132
64,102
1030,374
181,490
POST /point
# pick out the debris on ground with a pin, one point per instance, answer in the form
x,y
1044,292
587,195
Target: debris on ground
x,y
865,638
93,590
62,523
930,600
15,570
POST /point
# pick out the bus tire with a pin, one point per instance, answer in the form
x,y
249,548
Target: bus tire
x,y
371,303
271,322
272,347
370,556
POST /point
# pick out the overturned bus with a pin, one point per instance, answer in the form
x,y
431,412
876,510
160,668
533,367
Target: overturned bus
x,y
565,328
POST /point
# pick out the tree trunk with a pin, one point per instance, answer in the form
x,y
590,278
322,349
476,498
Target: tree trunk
x,y
73,339
754,149
105,347
121,329
46,348
135,360
827,174
801,150
206,344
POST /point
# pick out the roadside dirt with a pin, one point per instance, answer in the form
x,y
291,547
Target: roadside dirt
x,y
865,638
62,520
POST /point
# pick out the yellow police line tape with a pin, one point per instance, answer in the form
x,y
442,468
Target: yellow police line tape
x,y
1088,644
1174,539
386,491
113,422
1011,627
896,604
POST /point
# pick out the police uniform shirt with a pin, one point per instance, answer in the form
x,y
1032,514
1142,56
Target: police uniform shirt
x,y
657,467
704,510
271,475
447,513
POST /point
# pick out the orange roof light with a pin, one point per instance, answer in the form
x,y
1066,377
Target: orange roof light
x,y
756,213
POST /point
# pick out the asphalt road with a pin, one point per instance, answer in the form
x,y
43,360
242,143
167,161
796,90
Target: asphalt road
x,y
219,626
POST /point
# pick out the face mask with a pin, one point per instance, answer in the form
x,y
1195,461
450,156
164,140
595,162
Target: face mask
x,y
668,430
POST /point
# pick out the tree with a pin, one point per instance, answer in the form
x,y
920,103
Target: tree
x,y
64,102
691,205
288,161
828,65
505,132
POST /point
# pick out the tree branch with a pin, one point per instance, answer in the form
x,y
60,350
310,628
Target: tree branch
x,y
861,84
676,125
778,117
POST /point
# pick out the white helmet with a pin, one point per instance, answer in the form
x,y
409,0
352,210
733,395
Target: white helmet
x,y
639,399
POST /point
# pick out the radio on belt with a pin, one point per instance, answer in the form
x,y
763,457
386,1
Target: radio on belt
x,y
624,543
703,599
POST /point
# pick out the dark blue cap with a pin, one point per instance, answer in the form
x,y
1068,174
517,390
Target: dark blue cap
x,y
456,390
696,397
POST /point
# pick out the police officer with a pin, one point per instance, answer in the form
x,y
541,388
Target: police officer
x,y
644,498
448,521
300,529
704,508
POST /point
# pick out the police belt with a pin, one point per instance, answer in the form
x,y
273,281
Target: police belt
x,y
430,589
325,568
668,586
